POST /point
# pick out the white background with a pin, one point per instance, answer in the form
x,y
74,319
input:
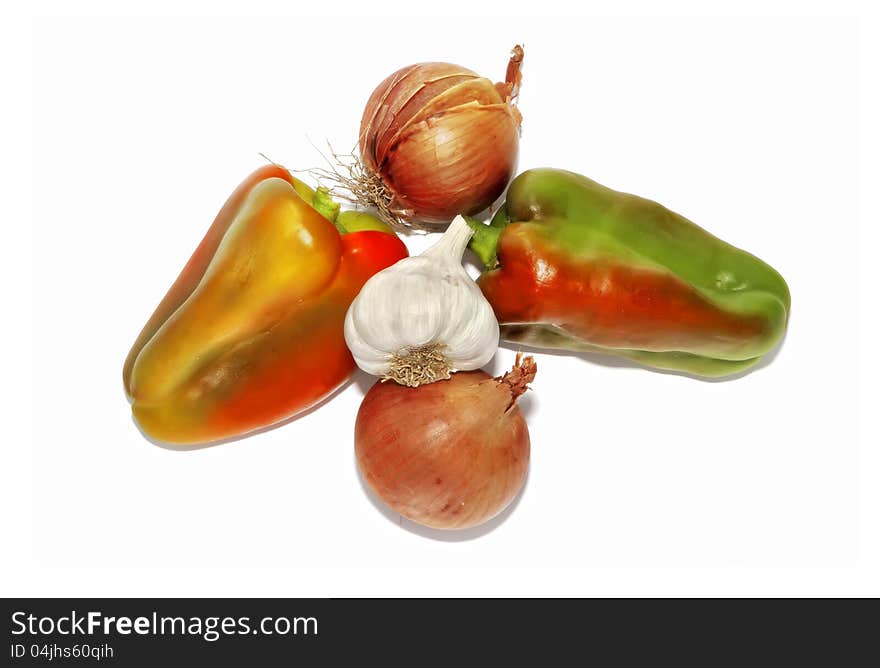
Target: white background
x,y
640,482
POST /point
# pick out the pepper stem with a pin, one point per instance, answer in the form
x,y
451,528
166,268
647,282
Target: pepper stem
x,y
501,217
323,203
484,242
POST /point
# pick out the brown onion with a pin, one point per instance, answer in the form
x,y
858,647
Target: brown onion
x,y
450,454
437,140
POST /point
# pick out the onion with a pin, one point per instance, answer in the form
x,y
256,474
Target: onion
x,y
451,454
436,140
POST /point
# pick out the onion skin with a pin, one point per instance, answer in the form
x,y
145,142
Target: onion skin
x,y
442,139
448,455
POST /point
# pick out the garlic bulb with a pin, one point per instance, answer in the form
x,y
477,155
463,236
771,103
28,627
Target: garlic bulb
x,y
423,318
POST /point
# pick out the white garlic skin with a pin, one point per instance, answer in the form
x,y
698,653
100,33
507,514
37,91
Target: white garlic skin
x,y
419,301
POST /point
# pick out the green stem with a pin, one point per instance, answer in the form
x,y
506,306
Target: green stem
x,y
501,217
324,204
484,242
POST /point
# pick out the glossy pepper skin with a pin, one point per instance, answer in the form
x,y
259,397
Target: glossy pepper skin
x,y
251,332
572,264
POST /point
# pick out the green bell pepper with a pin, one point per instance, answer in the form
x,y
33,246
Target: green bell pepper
x,y
572,264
